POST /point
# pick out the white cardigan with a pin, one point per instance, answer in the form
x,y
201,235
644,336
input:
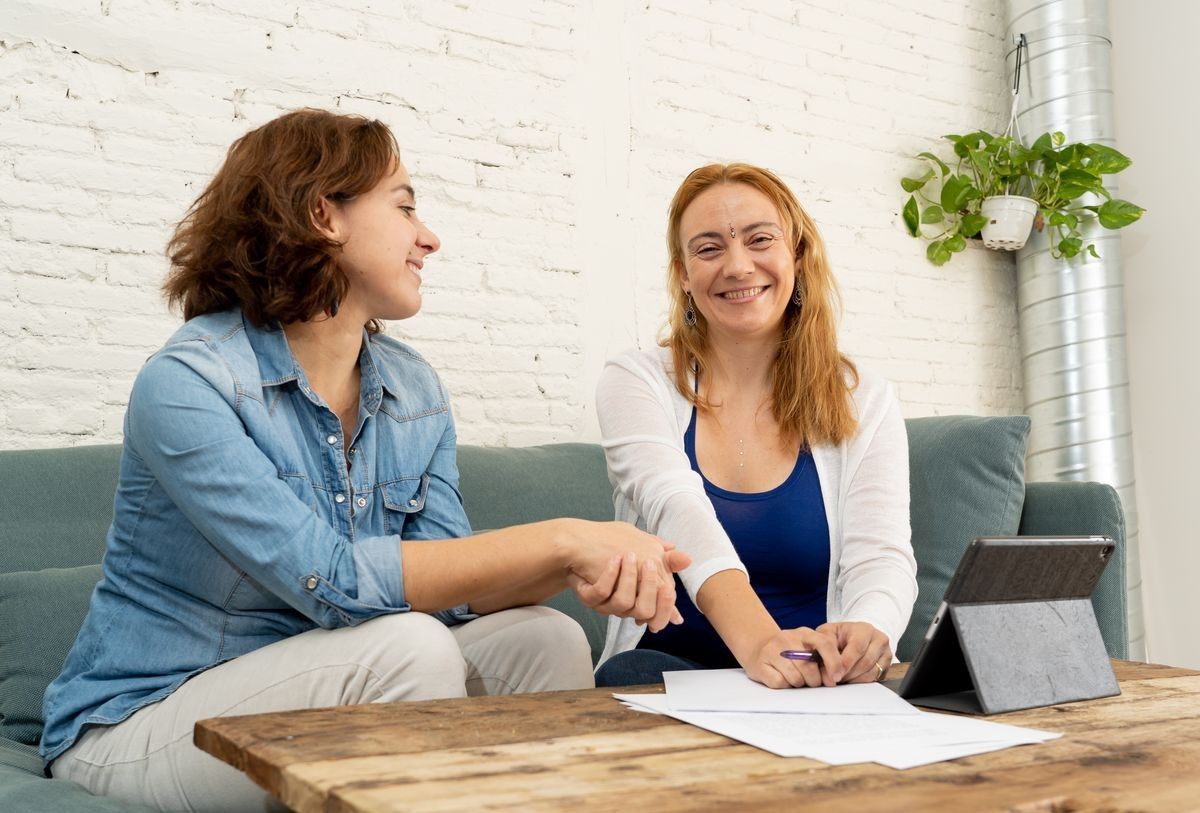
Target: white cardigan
x,y
864,484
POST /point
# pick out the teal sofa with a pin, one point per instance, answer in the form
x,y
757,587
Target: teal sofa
x,y
967,480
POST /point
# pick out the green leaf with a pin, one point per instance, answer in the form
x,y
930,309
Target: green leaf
x,y
1022,155
957,191
951,187
981,139
973,224
1067,219
1105,160
981,161
933,214
913,184
912,216
1092,250
1070,246
1042,145
1052,158
1076,182
955,243
1058,138
1117,214
941,164
936,253
1072,155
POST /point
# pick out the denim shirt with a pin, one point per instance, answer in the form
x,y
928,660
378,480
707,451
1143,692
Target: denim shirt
x,y
237,522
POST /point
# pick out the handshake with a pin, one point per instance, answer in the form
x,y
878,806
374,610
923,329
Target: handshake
x,y
619,570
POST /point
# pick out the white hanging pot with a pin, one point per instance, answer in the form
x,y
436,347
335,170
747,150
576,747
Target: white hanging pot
x,y
1009,220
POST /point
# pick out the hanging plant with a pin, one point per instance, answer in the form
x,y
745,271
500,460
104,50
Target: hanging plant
x,y
1062,186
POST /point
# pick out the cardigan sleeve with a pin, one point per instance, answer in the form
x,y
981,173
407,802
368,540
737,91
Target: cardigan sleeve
x,y
877,577
650,471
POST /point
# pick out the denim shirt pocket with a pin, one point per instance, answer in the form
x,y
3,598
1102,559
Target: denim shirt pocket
x,y
401,499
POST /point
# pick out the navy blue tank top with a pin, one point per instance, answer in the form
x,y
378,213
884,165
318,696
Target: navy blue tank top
x,y
782,537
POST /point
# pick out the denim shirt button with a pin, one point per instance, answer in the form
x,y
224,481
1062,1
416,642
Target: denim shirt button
x,y
412,502
311,582
339,498
362,502
332,439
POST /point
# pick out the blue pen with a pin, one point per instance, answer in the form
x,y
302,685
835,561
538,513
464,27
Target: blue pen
x,y
800,655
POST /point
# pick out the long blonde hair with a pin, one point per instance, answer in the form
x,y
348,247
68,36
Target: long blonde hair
x,y
811,381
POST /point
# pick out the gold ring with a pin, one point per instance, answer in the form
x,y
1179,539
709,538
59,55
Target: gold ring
x,y
882,671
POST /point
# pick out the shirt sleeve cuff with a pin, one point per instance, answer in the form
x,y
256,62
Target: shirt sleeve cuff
x,y
379,571
880,612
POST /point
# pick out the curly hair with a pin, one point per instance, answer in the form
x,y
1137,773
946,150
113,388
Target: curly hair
x,y
811,381
249,239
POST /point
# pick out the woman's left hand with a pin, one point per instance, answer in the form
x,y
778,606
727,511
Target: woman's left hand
x,y
866,654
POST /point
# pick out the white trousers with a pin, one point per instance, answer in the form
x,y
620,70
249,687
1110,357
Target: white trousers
x,y
149,758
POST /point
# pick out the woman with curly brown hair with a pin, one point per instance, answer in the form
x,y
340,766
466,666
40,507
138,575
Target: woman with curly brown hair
x,y
288,530
763,452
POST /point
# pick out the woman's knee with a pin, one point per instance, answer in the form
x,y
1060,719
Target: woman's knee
x,y
555,646
558,632
637,667
410,656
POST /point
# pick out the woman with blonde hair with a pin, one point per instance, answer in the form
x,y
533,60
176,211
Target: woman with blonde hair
x,y
778,464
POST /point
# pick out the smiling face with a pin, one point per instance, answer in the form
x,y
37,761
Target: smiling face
x,y
741,284
384,246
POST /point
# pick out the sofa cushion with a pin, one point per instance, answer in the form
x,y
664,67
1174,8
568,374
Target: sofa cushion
x,y
25,792
41,612
503,486
512,486
18,755
1077,509
78,484
967,478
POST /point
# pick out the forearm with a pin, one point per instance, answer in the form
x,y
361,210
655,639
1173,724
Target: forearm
x,y
489,571
736,613
534,591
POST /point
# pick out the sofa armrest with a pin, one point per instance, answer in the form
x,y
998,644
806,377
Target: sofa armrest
x,y
1057,509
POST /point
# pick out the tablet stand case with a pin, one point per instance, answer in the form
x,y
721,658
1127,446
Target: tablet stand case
x,y
1005,656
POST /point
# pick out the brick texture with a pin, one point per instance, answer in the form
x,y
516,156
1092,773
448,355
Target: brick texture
x,y
545,137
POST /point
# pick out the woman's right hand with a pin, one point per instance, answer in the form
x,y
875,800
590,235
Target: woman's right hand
x,y
771,669
619,570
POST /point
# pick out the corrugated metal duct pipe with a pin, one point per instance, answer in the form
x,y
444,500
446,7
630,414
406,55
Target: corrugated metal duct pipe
x,y
1072,313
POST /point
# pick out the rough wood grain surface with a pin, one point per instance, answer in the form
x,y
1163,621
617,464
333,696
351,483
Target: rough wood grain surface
x,y
1139,751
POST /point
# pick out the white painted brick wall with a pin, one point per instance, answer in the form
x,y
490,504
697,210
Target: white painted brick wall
x,y
546,139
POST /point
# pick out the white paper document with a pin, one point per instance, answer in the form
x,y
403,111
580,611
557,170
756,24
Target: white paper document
x,y
732,690
850,726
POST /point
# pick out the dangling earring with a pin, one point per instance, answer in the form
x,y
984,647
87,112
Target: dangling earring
x,y
797,297
689,313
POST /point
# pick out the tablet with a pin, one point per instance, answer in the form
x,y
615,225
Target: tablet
x,y
1015,605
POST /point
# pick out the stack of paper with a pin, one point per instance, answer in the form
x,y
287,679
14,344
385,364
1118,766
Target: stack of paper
x,y
862,722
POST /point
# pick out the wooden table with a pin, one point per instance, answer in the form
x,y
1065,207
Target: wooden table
x,y
561,751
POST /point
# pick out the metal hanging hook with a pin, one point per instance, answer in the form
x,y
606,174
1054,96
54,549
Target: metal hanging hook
x,y
1014,129
1022,48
